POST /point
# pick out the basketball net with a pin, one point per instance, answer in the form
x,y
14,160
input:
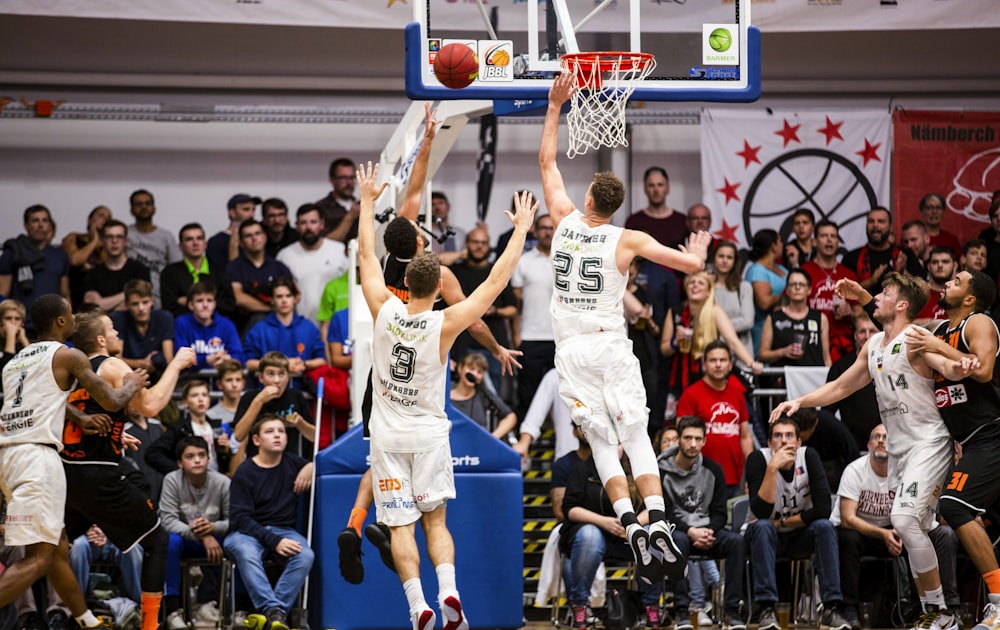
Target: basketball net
x,y
596,116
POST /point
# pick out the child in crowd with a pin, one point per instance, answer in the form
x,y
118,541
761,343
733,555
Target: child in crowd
x,y
148,332
213,337
283,330
231,382
162,455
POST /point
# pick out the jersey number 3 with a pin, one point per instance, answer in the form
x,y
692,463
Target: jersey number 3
x,y
404,362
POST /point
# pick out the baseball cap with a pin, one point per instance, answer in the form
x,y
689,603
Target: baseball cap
x,y
242,198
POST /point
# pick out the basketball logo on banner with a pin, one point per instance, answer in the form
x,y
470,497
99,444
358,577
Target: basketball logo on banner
x,y
759,167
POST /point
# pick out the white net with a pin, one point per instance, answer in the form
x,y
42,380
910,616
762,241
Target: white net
x,y
596,116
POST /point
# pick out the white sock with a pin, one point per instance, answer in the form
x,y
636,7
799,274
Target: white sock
x,y
923,603
623,506
88,620
654,502
936,598
415,595
446,581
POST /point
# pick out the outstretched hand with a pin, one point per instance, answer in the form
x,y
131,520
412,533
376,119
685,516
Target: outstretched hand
x,y
507,359
430,121
852,290
525,206
786,408
697,244
563,88
368,186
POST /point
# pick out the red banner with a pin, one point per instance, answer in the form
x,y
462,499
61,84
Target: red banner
x,y
952,153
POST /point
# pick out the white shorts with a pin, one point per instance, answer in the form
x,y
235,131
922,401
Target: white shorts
x,y
919,477
601,371
408,484
33,481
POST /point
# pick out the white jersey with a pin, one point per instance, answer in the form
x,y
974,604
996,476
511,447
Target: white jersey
x,y
589,288
873,494
34,406
408,380
791,497
905,398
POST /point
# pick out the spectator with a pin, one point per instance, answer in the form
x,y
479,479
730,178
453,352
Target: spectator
x,y
177,278
147,332
830,438
666,225
263,510
973,255
941,267
152,246
699,218
529,242
195,510
470,273
766,277
795,334
286,332
825,271
313,260
12,315
335,298
695,487
212,336
147,431
93,547
732,292
790,515
666,437
643,331
916,249
802,248
480,404
532,284
30,267
85,251
162,455
719,399
858,411
252,274
275,397
104,284
547,404
231,382
932,207
440,209
878,256
340,208
225,245
339,346
274,216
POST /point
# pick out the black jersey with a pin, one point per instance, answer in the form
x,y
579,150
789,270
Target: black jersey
x,y
79,447
394,272
966,405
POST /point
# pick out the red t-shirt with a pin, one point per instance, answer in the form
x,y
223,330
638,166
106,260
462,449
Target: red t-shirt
x,y
723,413
949,240
931,310
824,281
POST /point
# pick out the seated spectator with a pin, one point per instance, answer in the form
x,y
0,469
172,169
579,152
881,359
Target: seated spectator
x,y
263,509
103,285
285,331
790,515
275,397
147,332
195,510
177,278
225,246
252,274
231,381
795,334
274,216
695,488
665,438
162,455
547,404
591,533
481,404
94,547
830,438
212,336
12,335
147,431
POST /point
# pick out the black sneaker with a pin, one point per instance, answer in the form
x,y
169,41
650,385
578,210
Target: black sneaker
x,y
833,619
851,615
276,619
30,621
768,619
350,556
58,620
380,535
682,619
647,565
733,621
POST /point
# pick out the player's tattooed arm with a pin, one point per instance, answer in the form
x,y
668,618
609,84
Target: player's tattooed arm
x,y
98,423
111,399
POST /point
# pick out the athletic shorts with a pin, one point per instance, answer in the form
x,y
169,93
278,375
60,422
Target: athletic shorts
x,y
408,484
33,482
98,493
919,477
601,371
974,481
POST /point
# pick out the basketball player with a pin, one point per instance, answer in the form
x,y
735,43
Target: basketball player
x,y
96,491
599,376
38,382
970,408
918,441
409,429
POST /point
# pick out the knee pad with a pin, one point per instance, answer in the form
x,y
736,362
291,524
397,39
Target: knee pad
x,y
606,458
915,540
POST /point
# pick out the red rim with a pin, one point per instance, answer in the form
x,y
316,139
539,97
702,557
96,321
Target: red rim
x,y
605,61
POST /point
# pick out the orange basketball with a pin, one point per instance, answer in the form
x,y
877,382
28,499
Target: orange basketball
x,y
456,66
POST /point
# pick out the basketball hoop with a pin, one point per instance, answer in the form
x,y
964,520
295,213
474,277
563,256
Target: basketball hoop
x,y
596,116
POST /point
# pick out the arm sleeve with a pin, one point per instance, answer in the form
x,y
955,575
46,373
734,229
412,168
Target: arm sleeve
x,y
170,508
818,487
241,511
754,473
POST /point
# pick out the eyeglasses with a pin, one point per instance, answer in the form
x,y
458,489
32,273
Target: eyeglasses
x,y
879,438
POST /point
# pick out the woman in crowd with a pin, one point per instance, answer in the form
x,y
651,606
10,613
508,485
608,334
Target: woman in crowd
x,y
796,334
766,277
732,292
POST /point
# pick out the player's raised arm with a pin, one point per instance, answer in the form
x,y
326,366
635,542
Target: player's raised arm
x,y
557,201
687,261
410,208
372,281
856,377
460,316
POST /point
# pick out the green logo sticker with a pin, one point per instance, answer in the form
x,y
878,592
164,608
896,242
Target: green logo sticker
x,y
720,40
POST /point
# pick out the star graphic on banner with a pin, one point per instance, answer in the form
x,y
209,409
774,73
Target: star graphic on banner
x,y
870,152
749,154
831,130
790,133
727,232
729,190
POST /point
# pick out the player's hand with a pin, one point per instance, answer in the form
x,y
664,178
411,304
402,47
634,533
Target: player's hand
x,y
525,206
185,358
919,339
368,186
507,359
212,548
288,548
96,424
136,378
563,87
786,408
131,442
697,244
967,365
303,480
430,121
852,290
267,394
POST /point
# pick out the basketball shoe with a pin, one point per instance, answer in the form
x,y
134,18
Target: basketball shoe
x,y
661,542
648,567
991,614
454,618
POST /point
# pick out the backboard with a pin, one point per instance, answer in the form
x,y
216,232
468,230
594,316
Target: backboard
x,y
705,50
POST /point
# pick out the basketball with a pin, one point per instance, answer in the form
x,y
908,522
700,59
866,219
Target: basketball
x,y
720,40
456,66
